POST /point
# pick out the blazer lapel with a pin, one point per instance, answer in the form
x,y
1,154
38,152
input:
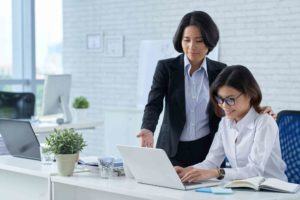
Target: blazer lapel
x,y
211,71
178,83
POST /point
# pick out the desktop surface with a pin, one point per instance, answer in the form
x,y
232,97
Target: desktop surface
x,y
26,166
47,127
87,184
92,184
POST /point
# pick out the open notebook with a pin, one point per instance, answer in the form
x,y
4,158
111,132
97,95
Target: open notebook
x,y
261,183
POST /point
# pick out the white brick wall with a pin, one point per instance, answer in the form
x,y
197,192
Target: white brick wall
x,y
263,35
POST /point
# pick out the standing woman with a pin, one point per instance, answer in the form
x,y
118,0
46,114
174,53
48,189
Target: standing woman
x,y
189,122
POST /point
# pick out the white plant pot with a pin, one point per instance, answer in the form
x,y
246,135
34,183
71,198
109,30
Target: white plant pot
x,y
80,115
66,163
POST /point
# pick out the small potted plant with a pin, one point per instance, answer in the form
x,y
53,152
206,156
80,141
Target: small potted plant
x,y
65,144
80,104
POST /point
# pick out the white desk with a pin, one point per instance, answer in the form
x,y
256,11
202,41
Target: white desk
x,y
90,186
24,179
44,129
40,128
28,179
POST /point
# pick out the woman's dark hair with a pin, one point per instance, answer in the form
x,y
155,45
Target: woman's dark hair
x,y
241,79
206,25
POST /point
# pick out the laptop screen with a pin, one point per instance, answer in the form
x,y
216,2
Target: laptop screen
x,y
20,139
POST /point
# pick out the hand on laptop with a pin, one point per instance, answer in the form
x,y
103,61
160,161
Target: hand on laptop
x,y
182,171
146,138
195,175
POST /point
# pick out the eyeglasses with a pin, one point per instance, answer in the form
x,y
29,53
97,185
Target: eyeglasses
x,y
230,101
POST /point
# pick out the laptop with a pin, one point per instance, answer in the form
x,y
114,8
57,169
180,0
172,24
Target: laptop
x,y
152,166
20,139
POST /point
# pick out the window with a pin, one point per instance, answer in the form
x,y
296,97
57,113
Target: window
x,y
48,40
16,52
31,44
5,41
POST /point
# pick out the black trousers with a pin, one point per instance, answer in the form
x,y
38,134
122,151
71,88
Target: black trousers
x,y
191,152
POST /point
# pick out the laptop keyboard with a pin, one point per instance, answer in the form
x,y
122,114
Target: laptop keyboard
x,y
192,183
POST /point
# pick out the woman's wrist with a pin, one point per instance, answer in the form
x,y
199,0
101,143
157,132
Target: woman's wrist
x,y
215,173
146,130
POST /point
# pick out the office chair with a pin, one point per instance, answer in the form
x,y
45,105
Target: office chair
x,y
15,105
289,134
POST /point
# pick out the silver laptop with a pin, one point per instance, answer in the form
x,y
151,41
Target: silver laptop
x,y
152,166
20,139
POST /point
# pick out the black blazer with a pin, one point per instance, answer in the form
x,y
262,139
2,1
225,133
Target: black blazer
x,y
168,83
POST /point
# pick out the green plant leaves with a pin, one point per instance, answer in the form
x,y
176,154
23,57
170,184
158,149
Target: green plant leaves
x,y
80,102
65,141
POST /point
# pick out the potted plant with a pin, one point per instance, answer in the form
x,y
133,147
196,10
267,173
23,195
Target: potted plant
x,y
65,144
80,104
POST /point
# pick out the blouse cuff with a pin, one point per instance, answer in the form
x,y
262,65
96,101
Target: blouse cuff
x,y
230,174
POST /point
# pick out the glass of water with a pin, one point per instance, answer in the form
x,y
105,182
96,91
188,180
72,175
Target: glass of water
x,y
106,165
47,157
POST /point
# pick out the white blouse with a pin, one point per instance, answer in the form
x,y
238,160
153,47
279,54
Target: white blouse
x,y
251,146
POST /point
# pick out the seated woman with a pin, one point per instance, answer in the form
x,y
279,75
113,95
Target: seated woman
x,y
249,140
